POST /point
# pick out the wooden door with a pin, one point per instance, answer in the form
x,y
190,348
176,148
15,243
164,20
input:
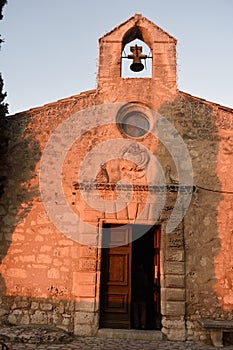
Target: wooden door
x,y
116,278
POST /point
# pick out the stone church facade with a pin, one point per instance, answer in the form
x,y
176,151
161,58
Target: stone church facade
x,y
132,173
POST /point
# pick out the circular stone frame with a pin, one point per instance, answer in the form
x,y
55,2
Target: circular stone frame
x,y
134,120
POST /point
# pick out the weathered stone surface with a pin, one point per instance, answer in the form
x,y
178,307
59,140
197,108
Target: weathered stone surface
x,y
84,317
34,335
46,306
175,294
84,330
39,317
174,268
175,308
175,281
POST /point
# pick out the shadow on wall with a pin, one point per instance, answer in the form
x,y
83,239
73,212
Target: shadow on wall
x,y
19,186
207,225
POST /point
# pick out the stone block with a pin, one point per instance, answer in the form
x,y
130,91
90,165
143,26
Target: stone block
x,y
175,294
28,258
143,211
65,269
44,259
84,277
18,237
121,211
176,255
45,230
39,317
22,304
175,308
87,265
89,239
174,268
174,281
175,242
46,306
65,242
63,252
163,307
25,320
12,319
85,290
132,210
74,252
17,273
45,248
66,320
83,330
54,273
57,262
88,304
176,334
34,305
92,215
3,312
81,317
39,238
154,211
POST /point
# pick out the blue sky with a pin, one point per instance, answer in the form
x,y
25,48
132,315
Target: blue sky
x,y
51,46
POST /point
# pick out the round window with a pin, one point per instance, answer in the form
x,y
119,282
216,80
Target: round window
x,y
135,124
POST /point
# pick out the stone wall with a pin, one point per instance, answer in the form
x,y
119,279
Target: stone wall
x,y
40,267
207,131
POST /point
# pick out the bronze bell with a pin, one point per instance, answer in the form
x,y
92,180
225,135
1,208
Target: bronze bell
x,y
137,65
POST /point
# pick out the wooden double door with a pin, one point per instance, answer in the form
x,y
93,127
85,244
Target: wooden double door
x,y
130,278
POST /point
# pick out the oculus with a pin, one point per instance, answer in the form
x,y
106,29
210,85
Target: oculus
x,y
134,120
135,124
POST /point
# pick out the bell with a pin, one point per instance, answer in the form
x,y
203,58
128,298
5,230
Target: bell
x,y
137,65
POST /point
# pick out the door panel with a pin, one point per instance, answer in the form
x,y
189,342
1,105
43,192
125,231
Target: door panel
x,y
116,278
118,269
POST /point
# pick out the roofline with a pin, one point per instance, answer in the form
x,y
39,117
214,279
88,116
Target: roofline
x,y
218,105
94,91
137,16
51,104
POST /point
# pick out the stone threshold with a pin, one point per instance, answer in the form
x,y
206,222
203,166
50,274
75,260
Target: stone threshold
x,y
130,334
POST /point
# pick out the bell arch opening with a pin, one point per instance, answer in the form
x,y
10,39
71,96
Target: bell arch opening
x,y
136,55
136,60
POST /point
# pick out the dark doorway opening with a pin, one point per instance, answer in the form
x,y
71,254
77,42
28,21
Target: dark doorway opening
x,y
145,310
130,278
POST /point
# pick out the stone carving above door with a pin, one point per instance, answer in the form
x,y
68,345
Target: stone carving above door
x,y
136,154
130,166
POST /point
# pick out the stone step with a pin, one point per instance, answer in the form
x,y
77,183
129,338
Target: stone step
x,y
129,334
